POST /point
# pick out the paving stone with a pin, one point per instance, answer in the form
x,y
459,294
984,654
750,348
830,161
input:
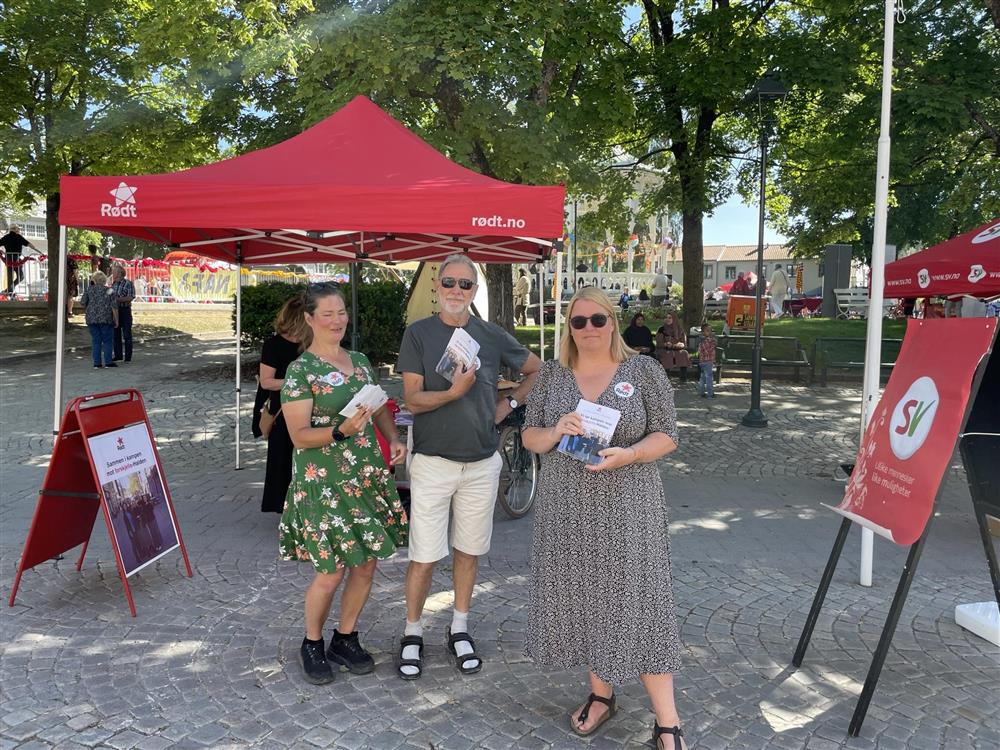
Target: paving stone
x,y
210,661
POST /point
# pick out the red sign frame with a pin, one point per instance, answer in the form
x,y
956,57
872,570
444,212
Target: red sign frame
x,y
71,493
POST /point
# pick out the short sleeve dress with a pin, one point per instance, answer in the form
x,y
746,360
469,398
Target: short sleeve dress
x,y
342,507
601,590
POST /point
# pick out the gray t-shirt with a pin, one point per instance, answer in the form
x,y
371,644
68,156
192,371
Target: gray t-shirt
x,y
461,430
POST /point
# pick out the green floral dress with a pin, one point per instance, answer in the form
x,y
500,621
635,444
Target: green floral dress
x,y
342,506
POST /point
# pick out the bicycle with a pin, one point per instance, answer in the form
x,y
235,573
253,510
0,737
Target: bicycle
x,y
519,474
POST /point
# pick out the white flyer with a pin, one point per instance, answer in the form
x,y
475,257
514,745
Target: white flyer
x,y
371,396
460,352
599,423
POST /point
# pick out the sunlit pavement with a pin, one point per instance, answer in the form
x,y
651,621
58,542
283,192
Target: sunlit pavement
x,y
211,661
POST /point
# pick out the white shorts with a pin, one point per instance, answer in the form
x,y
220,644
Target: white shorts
x,y
467,490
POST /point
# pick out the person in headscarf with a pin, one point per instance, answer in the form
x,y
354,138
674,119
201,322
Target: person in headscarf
x,y
671,346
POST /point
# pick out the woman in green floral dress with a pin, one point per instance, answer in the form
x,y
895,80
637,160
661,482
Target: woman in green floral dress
x,y
342,511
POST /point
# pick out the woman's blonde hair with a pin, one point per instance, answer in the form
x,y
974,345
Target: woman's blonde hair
x,y
98,277
568,353
291,319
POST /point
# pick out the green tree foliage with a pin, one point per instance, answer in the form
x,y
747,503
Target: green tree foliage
x,y
381,315
520,91
120,87
945,157
693,64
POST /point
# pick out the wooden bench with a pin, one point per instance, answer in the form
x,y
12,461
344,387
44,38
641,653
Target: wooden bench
x,y
776,351
716,308
848,353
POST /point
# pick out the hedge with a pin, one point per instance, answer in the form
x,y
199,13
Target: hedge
x,y
381,313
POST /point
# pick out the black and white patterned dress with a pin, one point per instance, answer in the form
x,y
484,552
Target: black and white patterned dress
x,y
601,592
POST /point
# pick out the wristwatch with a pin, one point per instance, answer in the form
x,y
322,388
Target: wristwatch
x,y
512,401
338,436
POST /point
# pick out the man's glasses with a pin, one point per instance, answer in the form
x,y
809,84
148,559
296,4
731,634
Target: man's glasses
x,y
448,282
579,322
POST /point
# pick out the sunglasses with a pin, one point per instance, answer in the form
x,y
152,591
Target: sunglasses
x,y
448,282
598,320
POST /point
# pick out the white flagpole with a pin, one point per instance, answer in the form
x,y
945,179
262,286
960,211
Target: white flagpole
x,y
873,346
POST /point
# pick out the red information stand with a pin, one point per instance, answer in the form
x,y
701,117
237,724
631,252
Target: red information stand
x,y
104,458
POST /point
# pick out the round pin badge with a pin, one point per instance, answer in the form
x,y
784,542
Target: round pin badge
x,y
624,389
335,379
477,363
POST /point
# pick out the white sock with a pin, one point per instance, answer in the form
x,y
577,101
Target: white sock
x,y
460,624
412,652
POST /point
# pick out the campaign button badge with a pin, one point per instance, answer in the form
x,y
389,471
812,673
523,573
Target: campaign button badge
x,y
624,389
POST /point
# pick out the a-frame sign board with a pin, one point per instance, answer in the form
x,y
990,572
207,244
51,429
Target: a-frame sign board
x,y
104,458
937,387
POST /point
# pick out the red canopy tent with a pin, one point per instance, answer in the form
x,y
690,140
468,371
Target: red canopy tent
x,y
356,186
966,264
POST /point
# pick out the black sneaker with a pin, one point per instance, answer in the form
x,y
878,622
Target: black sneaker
x,y
347,651
315,667
111,364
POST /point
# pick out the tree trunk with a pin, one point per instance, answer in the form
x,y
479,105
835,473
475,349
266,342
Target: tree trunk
x,y
694,268
500,285
55,270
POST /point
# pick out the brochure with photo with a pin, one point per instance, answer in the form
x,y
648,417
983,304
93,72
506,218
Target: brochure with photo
x,y
460,352
599,423
371,396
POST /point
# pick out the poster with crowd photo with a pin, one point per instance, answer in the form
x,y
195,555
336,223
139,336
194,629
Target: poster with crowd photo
x,y
141,519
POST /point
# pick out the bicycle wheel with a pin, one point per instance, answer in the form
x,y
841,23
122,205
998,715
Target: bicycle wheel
x,y
519,474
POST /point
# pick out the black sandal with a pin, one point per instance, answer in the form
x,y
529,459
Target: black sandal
x,y
576,721
410,640
675,731
461,661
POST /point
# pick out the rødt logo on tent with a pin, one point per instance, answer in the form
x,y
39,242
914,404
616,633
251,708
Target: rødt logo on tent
x,y
990,233
923,278
913,417
976,273
124,196
502,222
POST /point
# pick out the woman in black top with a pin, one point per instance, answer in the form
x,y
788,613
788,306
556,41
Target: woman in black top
x,y
638,336
279,351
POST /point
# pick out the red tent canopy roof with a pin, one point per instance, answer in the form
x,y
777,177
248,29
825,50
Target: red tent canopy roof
x,y
966,264
355,185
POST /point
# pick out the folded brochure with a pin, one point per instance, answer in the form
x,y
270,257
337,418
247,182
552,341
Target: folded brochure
x,y
599,423
460,352
370,395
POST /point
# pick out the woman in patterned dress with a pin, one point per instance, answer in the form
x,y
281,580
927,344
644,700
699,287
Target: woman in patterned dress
x,y
342,511
601,592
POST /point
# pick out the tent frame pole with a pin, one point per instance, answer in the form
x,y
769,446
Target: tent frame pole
x,y
239,333
60,329
541,311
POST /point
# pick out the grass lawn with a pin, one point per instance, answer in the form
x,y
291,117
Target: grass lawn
x,y
806,330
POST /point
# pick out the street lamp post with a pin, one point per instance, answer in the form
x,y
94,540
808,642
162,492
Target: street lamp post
x,y
766,92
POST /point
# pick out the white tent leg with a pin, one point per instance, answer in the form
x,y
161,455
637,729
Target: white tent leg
x,y
239,301
558,338
541,311
873,347
60,330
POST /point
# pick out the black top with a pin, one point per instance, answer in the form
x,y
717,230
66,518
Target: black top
x,y
13,242
636,336
278,352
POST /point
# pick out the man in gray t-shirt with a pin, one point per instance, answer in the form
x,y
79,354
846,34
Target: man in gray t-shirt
x,y
455,468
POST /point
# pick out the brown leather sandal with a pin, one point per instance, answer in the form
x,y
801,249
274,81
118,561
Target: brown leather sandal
x,y
575,722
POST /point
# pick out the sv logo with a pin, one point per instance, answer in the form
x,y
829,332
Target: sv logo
x,y
913,417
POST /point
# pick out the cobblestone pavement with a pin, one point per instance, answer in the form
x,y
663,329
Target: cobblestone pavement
x,y
211,661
